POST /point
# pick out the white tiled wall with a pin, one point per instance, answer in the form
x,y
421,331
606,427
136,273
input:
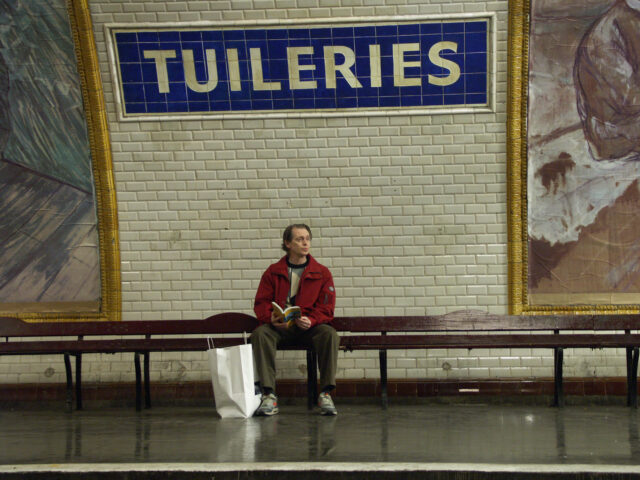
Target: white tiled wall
x,y
409,212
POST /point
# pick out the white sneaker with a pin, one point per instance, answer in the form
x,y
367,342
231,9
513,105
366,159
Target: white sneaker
x,y
326,404
268,406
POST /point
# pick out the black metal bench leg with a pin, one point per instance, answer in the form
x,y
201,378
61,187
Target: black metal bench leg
x,y
147,381
67,368
383,378
78,381
558,394
312,378
136,362
309,375
629,374
632,378
315,378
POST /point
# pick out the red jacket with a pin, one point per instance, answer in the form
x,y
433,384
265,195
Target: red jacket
x,y
316,294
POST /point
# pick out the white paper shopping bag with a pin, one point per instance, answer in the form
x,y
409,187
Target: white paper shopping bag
x,y
233,383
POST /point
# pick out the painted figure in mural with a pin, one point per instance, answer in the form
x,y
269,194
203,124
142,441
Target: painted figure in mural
x,y
607,79
296,280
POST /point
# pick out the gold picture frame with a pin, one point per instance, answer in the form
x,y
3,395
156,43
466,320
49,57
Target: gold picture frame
x,y
518,44
518,121
110,305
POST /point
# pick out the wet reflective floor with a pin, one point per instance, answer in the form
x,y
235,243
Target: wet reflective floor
x,y
451,433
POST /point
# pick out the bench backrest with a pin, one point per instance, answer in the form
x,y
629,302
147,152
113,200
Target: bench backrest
x,y
236,323
469,321
223,323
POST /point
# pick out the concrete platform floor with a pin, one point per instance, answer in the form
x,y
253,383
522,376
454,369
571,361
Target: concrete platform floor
x,y
405,442
597,438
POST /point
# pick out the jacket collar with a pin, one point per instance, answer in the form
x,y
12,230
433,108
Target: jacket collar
x,y
282,269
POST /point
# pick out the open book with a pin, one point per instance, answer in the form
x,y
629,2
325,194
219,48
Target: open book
x,y
287,315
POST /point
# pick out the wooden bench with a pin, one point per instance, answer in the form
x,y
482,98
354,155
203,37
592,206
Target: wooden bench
x,y
137,337
467,329
476,329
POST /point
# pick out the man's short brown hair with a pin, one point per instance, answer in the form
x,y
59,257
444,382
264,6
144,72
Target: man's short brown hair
x,y
287,236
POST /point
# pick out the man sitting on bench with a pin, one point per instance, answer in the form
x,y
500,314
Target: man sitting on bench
x,y
296,280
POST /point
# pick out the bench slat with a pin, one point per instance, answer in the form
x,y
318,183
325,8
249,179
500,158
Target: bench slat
x,y
354,342
140,345
463,321
358,342
221,323
238,322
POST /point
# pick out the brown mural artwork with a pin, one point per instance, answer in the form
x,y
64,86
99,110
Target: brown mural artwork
x,y
49,246
583,165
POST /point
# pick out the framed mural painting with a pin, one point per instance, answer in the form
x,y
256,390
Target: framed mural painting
x,y
59,257
574,156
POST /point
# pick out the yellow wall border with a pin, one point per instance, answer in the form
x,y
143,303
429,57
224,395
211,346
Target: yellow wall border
x,y
95,113
518,61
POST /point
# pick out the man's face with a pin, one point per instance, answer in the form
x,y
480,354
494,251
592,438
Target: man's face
x,y
300,243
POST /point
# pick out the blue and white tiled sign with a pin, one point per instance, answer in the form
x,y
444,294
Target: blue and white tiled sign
x,y
424,65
